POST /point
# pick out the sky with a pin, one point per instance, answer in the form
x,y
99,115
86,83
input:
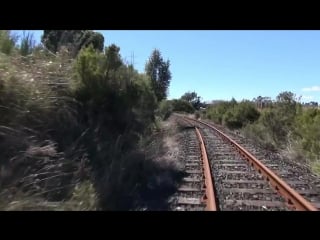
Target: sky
x,y
225,64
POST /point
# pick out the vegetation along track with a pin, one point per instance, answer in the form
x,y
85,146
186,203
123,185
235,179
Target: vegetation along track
x,y
242,182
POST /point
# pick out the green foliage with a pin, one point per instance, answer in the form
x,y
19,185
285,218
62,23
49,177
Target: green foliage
x,y
287,122
182,106
113,59
286,98
84,198
89,73
145,104
38,127
7,41
239,115
276,122
74,40
307,129
89,37
247,112
116,101
284,124
230,119
51,39
165,109
67,123
217,111
286,106
260,135
192,98
158,71
279,119
27,44
118,107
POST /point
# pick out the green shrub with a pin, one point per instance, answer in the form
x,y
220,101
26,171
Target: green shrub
x,y
65,124
165,109
232,114
307,130
216,112
182,106
7,41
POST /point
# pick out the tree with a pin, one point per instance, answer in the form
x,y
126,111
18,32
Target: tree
x,y
75,40
182,106
259,101
287,106
158,71
233,102
27,44
192,98
262,102
7,41
286,97
312,103
113,59
189,96
51,39
94,38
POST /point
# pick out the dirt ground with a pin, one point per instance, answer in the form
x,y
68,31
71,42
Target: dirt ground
x,y
165,151
169,144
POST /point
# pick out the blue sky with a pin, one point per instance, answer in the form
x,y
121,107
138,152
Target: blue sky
x,y
226,64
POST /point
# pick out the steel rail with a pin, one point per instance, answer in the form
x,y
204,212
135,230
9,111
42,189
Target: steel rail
x,y
209,196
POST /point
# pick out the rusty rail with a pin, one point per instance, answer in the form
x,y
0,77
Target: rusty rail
x,y
293,199
209,196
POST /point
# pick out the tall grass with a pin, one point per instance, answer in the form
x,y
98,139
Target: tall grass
x,y
70,134
39,154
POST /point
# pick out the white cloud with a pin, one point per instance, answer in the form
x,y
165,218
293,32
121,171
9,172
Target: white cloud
x,y
307,97
311,89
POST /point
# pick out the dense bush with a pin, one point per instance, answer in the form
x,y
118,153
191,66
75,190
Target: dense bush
x,y
182,106
165,109
74,40
232,114
65,121
216,112
117,107
307,129
34,116
193,98
284,125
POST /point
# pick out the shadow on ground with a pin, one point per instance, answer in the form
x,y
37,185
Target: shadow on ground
x,y
142,180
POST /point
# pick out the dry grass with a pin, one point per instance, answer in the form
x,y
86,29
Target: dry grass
x,y
36,167
315,166
46,149
84,198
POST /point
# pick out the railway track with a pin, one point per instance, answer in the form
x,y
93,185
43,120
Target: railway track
x,y
196,193
241,181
